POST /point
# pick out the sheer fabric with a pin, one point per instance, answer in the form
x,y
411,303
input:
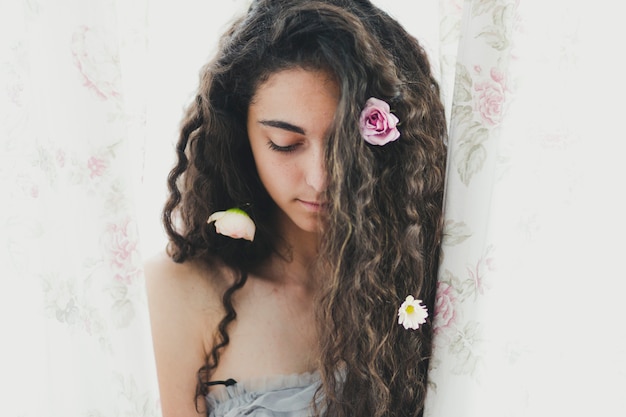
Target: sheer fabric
x,y
528,305
76,339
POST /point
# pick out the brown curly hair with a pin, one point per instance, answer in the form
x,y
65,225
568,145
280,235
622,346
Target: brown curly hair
x,y
383,226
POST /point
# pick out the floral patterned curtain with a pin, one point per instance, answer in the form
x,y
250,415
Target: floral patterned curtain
x,y
75,333
528,319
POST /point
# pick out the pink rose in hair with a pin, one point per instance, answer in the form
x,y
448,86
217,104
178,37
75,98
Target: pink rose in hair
x,y
377,123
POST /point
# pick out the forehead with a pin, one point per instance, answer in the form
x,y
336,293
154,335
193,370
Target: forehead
x,y
290,92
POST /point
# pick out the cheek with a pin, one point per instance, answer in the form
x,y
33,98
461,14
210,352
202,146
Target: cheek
x,y
278,178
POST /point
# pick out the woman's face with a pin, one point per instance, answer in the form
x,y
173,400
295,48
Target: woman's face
x,y
288,122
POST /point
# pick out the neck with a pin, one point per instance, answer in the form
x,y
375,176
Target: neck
x,y
297,253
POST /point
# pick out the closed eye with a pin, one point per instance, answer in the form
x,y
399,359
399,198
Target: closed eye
x,y
277,148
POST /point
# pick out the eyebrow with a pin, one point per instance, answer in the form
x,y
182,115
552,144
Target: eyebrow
x,y
283,125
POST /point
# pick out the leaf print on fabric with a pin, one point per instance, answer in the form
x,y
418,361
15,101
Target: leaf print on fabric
x,y
67,313
68,304
60,299
498,34
470,154
462,85
495,37
122,308
455,232
480,7
465,349
133,400
449,29
462,114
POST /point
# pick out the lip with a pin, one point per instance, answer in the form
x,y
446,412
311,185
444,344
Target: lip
x,y
314,206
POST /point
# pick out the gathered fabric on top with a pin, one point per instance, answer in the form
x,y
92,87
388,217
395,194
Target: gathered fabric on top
x,y
275,396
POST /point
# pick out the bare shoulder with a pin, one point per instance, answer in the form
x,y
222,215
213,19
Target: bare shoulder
x,y
192,283
182,294
185,307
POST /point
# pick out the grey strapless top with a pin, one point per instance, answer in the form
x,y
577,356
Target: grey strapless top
x,y
275,396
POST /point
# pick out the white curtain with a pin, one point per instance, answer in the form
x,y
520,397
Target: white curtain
x,y
529,318
74,323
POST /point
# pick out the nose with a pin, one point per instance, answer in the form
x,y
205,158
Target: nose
x,y
316,170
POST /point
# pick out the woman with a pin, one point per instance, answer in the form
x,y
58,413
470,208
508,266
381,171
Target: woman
x,y
321,122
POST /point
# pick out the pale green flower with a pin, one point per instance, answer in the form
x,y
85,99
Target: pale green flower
x,y
412,313
233,223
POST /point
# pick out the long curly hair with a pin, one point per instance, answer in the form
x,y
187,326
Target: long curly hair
x,y
383,224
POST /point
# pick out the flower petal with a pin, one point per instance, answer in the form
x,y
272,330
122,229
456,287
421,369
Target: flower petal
x,y
234,223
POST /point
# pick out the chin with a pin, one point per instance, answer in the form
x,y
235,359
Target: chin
x,y
313,229
310,226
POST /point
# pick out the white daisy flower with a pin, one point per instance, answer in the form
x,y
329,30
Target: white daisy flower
x,y
412,313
